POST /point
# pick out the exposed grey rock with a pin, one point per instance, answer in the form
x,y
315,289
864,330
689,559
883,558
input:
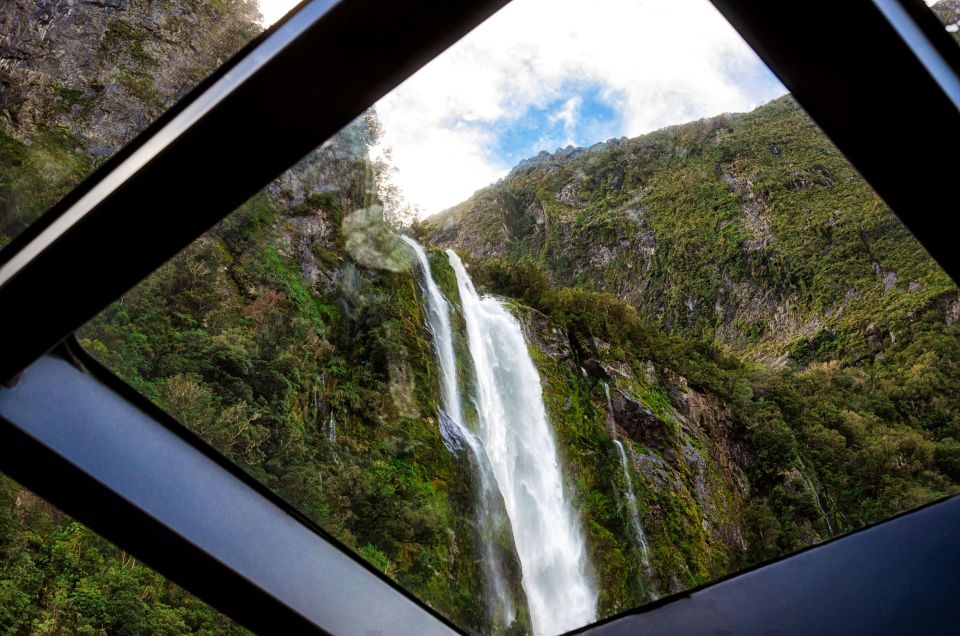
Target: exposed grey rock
x,y
953,311
639,423
105,69
655,472
569,195
817,175
889,282
755,216
873,338
540,330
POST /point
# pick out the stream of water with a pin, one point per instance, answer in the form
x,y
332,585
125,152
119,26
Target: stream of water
x,y
490,516
630,495
515,456
518,439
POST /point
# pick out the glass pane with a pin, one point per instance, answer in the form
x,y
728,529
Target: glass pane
x,y
668,342
81,79
58,577
948,12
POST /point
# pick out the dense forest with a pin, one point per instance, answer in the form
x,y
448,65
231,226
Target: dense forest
x,y
727,298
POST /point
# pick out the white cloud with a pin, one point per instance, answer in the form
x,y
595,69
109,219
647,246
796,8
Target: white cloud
x,y
273,10
661,61
569,115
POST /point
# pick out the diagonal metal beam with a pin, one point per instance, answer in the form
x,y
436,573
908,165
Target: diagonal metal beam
x,y
279,99
102,453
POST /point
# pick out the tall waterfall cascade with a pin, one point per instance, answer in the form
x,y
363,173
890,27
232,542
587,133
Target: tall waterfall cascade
x,y
816,497
514,441
489,516
518,439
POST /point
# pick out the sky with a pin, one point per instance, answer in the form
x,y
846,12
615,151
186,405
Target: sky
x,y
544,74
273,10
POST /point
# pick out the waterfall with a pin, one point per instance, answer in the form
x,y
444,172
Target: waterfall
x,y
816,497
458,438
332,430
631,495
517,437
632,508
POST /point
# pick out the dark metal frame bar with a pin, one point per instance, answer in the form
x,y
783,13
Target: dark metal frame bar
x,y
896,577
228,139
79,437
224,142
141,480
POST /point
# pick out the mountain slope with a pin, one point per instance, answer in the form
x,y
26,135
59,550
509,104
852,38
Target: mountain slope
x,y
79,79
292,338
751,231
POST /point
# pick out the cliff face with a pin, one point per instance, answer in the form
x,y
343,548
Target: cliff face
x,y
104,69
80,78
684,451
291,337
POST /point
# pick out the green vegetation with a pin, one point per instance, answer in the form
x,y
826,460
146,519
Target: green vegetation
x,y
750,230
326,395
57,577
781,357
308,366
34,176
831,447
277,339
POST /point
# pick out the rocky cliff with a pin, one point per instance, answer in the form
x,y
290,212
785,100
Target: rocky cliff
x,y
683,444
104,69
80,78
291,337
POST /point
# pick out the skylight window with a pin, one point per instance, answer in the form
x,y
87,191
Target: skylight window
x,y
586,313
539,76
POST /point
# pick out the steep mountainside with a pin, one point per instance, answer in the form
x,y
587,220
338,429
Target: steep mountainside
x,y
80,78
293,338
751,231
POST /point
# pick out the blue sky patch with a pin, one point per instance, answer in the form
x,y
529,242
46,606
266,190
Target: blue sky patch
x,y
578,113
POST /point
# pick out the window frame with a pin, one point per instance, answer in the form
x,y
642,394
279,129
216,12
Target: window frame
x,y
838,69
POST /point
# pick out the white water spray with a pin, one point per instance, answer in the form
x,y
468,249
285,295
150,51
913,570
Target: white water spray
x,y
332,430
518,440
458,438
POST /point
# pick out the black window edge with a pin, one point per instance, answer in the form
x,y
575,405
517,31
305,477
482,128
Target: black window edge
x,y
844,62
82,439
844,585
352,51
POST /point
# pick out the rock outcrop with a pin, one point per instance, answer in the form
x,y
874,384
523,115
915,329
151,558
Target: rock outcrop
x,y
105,69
